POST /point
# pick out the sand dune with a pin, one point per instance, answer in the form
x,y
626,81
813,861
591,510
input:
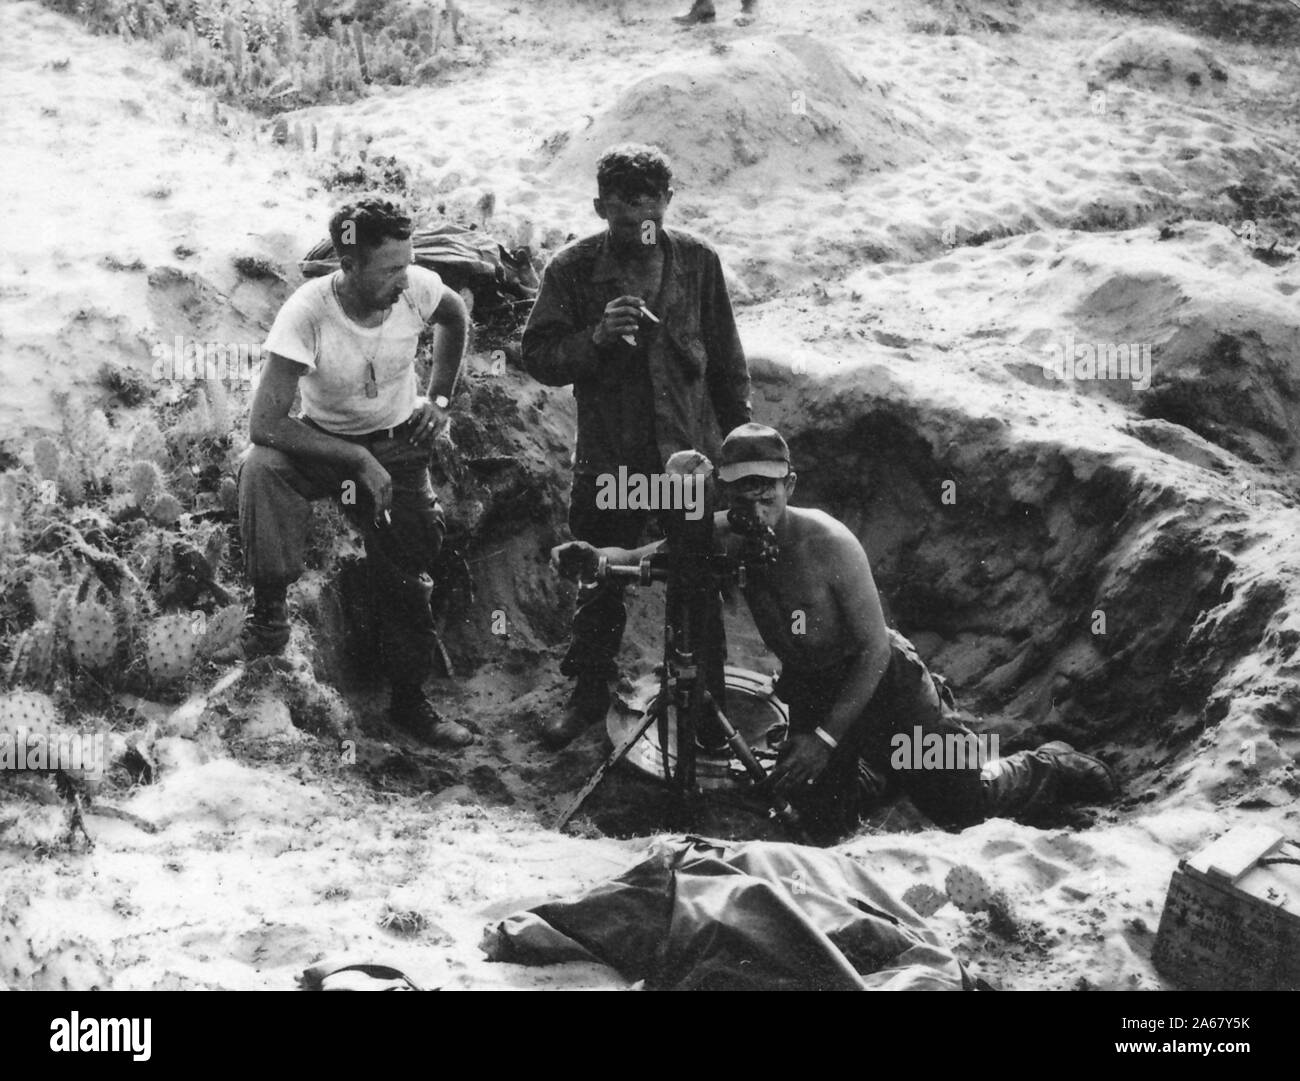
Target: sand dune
x,y
768,113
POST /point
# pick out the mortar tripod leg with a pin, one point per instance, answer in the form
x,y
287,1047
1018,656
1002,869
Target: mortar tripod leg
x,y
615,756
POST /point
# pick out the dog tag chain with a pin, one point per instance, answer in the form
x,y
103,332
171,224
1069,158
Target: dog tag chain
x,y
371,384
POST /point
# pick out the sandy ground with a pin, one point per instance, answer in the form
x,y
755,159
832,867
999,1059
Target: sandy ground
x,y
910,219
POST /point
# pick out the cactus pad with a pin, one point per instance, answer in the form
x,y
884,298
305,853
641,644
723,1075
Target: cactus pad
x,y
166,509
170,646
924,899
92,635
967,889
224,629
27,709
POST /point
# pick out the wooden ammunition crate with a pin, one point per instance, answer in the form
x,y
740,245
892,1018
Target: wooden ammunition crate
x,y
1232,916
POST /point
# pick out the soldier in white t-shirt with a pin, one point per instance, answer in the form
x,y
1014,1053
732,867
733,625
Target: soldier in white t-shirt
x,y
347,343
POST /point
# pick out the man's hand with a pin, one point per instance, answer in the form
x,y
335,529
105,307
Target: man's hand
x,y
377,483
801,760
428,421
575,560
622,316
448,455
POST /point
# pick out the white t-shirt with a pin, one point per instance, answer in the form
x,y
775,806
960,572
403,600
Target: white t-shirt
x,y
313,330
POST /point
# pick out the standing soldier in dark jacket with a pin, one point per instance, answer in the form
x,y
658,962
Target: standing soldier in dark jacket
x,y
638,319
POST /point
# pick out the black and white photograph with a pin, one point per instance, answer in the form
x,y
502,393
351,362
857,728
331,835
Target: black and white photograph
x,y
538,495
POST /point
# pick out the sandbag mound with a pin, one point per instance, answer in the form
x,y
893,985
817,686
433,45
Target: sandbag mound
x,y
772,111
1219,359
1233,383
1157,59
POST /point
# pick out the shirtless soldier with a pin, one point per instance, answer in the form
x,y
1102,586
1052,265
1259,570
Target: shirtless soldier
x,y
851,683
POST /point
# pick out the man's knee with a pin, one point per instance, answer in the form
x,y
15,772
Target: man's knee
x,y
273,516
262,468
411,540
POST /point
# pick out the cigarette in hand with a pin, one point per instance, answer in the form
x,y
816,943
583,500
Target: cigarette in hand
x,y
630,339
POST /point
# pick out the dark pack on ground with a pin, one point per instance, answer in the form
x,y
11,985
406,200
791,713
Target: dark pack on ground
x,y
499,278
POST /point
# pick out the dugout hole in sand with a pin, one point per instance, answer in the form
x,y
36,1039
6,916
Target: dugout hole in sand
x,y
1063,594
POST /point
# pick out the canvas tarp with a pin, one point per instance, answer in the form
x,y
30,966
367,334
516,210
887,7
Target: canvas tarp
x,y
700,914
464,259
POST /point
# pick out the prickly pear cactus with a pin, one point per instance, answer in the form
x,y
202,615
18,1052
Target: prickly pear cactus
x,y
214,550
148,444
61,613
119,505
223,631
166,509
27,709
924,899
95,443
185,485
41,594
170,646
969,892
967,889
35,655
146,482
92,635
132,611
45,456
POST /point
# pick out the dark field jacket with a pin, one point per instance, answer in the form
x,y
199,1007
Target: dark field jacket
x,y
700,382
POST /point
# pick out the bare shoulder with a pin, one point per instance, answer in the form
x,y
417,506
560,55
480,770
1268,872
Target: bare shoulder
x,y
818,525
828,535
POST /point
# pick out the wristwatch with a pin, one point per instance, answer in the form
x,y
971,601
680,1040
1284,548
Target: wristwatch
x,y
442,401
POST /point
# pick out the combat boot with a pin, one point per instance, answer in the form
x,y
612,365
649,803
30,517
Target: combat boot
x,y
266,625
1032,781
1082,778
409,709
702,11
587,706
